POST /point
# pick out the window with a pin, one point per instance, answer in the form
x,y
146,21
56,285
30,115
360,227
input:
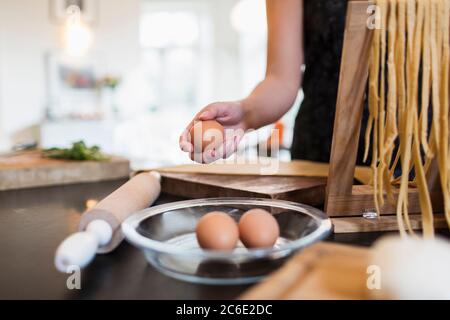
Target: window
x,y
175,55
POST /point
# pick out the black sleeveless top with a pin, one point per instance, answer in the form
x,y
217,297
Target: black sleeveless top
x,y
324,23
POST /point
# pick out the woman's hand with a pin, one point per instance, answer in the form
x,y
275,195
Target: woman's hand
x,y
232,116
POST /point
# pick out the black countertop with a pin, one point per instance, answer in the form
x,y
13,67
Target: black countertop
x,y
33,222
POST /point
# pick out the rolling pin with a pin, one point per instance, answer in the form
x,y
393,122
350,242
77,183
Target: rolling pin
x,y
99,227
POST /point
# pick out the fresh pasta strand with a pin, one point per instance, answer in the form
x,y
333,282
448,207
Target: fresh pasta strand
x,y
400,76
434,73
444,107
373,109
391,131
402,202
426,77
383,5
424,196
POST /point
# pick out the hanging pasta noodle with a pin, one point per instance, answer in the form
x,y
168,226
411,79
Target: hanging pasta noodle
x,y
383,4
400,73
411,71
424,196
426,74
391,111
443,155
413,39
373,109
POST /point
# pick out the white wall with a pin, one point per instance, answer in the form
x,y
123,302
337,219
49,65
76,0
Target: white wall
x,y
2,43
117,34
26,34
227,72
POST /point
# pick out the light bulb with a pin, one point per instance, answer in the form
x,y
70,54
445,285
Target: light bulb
x,y
77,35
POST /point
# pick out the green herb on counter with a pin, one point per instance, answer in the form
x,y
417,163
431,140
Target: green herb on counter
x,y
79,151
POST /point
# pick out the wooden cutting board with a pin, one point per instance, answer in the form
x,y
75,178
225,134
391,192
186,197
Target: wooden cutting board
x,y
308,190
267,167
29,169
322,271
300,181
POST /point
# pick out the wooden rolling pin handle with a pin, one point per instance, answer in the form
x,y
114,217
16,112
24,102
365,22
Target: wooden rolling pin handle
x,y
136,194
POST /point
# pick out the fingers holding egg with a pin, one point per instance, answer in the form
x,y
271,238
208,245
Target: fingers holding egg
x,y
206,135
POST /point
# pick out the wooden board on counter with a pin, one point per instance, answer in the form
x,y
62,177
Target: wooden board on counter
x,y
267,167
299,181
322,271
308,190
29,169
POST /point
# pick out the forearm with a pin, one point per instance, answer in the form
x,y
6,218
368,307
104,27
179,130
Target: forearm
x,y
273,97
269,101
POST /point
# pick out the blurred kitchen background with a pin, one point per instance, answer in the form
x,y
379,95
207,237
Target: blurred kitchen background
x,y
126,75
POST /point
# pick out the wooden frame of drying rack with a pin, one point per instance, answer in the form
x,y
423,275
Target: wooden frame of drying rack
x,y
345,202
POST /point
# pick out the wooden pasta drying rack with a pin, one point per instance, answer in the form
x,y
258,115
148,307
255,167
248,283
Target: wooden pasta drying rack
x,y
345,202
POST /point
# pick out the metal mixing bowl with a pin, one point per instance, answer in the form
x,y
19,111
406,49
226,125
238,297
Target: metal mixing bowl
x,y
166,235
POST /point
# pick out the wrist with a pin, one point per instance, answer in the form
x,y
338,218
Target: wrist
x,y
247,116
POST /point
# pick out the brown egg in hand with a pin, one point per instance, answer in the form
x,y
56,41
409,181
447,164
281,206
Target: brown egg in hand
x,y
206,134
258,229
217,231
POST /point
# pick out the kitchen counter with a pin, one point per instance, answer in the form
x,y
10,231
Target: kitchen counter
x,y
34,221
